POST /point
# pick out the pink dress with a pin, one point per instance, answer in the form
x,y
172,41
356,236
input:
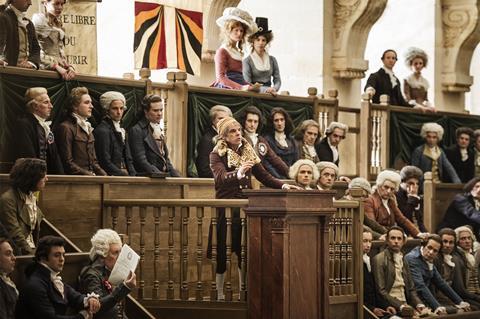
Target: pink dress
x,y
228,70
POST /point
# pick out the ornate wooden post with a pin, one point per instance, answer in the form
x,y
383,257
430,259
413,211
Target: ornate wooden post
x,y
288,253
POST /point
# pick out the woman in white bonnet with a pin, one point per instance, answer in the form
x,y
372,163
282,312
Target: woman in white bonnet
x,y
106,247
51,37
236,25
415,86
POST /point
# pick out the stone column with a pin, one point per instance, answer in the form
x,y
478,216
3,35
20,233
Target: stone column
x,y
347,24
288,253
457,28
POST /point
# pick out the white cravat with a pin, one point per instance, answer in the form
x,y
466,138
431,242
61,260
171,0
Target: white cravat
x,y
311,150
118,128
44,124
281,139
157,130
448,260
31,203
253,137
366,260
393,79
21,16
83,123
464,154
56,280
385,204
334,150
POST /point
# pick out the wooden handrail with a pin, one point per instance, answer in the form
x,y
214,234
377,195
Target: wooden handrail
x,y
79,179
176,202
81,77
239,93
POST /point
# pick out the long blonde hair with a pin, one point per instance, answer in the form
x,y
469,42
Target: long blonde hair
x,y
228,27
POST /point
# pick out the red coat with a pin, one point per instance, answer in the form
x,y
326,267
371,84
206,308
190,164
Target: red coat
x,y
375,210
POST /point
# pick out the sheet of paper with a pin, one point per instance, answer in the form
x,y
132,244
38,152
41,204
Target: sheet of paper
x,y
127,261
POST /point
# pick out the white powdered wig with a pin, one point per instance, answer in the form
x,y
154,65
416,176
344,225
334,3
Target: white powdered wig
x,y
293,172
390,176
101,242
432,127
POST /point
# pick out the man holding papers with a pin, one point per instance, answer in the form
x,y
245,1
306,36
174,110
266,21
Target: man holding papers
x,y
104,254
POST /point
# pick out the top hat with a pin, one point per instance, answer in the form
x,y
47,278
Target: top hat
x,y
262,24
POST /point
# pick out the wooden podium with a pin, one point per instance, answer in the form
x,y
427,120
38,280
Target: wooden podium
x,y
288,253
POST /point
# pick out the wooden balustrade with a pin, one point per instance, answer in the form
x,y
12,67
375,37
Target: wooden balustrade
x,y
172,265
345,258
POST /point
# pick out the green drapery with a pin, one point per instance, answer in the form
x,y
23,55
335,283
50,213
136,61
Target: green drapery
x,y
199,105
12,104
405,133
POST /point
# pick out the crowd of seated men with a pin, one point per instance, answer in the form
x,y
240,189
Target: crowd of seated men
x,y
43,293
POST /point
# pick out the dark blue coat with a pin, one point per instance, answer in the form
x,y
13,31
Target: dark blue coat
x,y
288,155
446,171
112,152
423,278
460,212
40,299
146,155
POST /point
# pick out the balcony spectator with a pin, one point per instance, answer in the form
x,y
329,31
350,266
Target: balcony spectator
x,y
259,66
307,136
476,151
465,281
384,81
18,42
233,162
461,156
415,86
327,149
205,146
425,276
304,173
278,130
35,138
429,157
446,266
51,37
111,145
328,174
371,300
251,120
381,206
147,140
20,214
8,290
235,25
392,277
76,142
44,294
106,247
369,225
464,208
409,200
